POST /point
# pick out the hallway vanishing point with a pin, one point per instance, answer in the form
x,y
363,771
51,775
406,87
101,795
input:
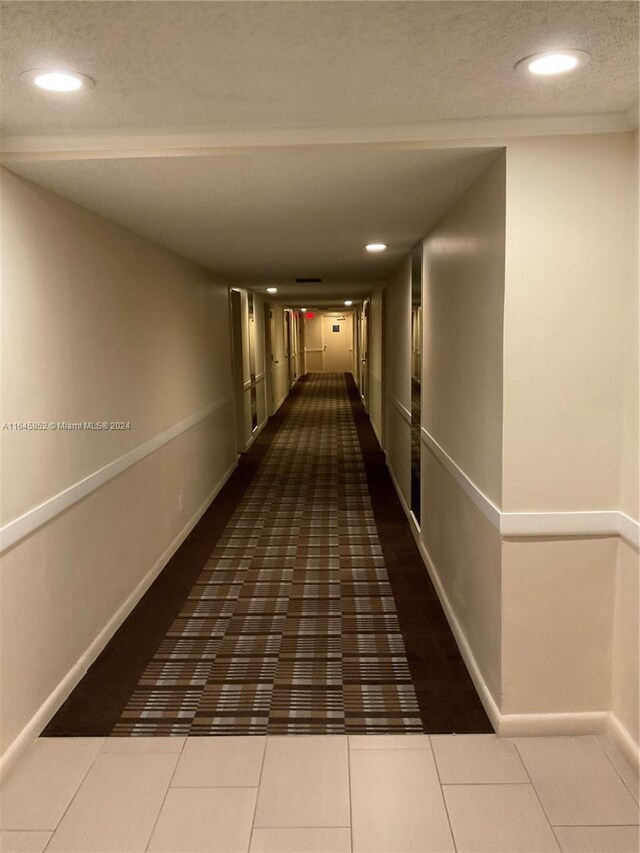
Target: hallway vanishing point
x,y
312,612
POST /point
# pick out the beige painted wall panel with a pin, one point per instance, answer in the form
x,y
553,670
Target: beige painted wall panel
x,y
466,551
375,361
97,324
398,377
570,271
60,587
558,597
630,460
463,319
625,686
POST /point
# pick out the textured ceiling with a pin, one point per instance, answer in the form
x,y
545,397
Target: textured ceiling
x,y
220,65
273,216
276,71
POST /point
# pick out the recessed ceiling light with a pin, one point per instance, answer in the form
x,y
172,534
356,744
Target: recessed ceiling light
x,y
272,290
57,80
376,247
303,309
348,302
553,62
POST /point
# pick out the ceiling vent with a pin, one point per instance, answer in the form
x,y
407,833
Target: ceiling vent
x,y
308,280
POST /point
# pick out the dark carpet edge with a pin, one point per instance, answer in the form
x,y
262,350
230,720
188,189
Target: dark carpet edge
x,y
447,697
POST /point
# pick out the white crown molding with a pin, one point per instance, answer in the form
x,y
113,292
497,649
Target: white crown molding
x,y
452,132
15,530
538,524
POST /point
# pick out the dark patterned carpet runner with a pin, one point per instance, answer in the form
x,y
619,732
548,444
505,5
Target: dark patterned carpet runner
x,y
291,627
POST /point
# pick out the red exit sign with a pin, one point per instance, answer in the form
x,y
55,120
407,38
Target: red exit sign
x,y
309,315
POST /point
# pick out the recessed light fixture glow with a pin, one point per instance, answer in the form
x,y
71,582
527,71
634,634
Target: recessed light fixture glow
x,y
376,247
303,310
348,302
57,80
272,290
553,62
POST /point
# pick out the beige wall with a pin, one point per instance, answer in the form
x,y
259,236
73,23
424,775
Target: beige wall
x,y
98,324
557,612
570,272
463,294
376,408
629,458
530,384
465,552
397,379
463,297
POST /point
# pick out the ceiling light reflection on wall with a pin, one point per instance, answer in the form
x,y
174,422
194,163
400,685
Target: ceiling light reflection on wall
x,y
57,80
553,62
272,290
376,247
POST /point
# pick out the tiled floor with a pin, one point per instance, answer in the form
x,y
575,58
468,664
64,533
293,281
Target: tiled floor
x,y
325,794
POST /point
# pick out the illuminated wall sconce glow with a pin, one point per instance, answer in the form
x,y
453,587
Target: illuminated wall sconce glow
x,y
348,302
376,247
553,62
272,290
57,80
303,310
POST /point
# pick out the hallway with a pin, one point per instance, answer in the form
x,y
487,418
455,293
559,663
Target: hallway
x,y
291,626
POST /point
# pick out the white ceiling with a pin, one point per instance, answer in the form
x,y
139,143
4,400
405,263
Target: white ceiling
x,y
273,216
206,65
275,75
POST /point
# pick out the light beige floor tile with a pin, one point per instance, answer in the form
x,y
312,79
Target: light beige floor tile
x,y
143,744
117,804
474,759
305,782
621,766
389,742
396,802
41,786
23,842
301,840
220,762
498,819
598,839
217,820
575,781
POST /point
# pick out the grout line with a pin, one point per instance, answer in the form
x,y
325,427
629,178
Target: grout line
x,y
255,805
592,825
72,798
477,784
544,811
444,799
607,752
155,823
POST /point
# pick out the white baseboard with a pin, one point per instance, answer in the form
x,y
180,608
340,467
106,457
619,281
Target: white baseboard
x,y
513,725
624,742
61,693
486,697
